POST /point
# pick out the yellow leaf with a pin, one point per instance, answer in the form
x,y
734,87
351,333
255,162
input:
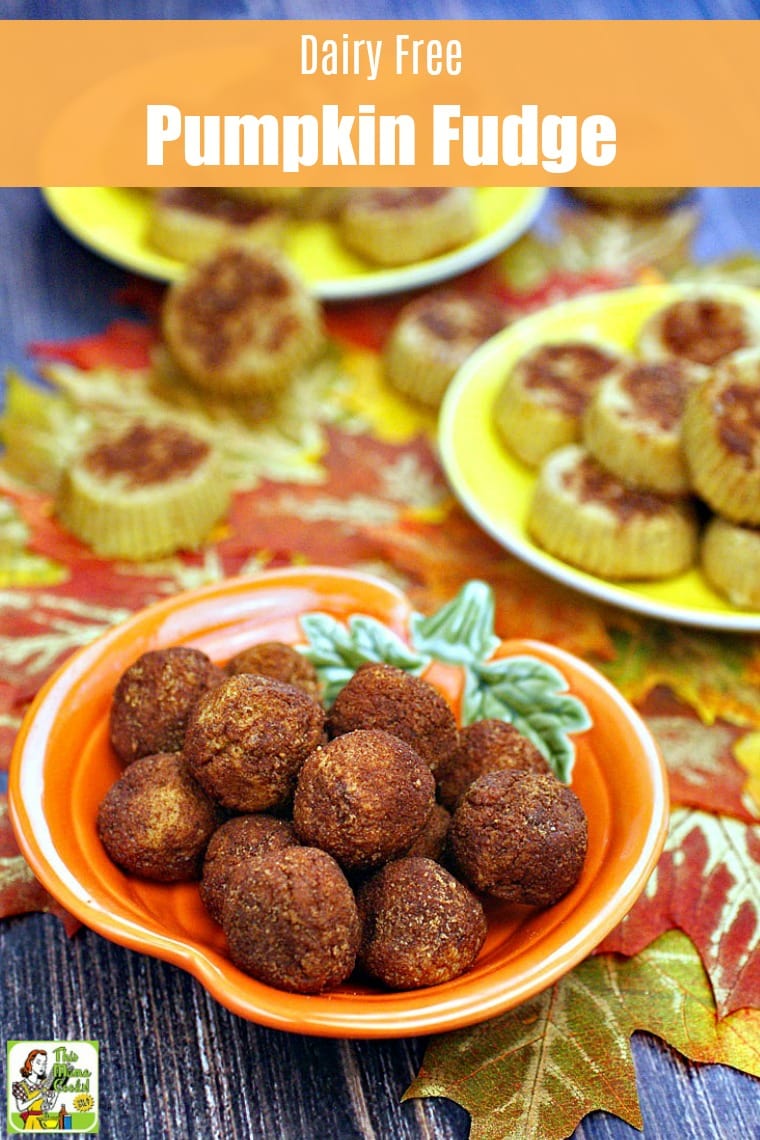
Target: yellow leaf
x,y
536,1071
747,752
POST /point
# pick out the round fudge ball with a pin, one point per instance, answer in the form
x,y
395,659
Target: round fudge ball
x,y
153,699
519,836
386,697
364,797
420,925
488,745
431,841
291,921
280,661
247,739
156,820
232,845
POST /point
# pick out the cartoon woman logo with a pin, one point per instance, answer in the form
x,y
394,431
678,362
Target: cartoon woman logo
x,y
34,1094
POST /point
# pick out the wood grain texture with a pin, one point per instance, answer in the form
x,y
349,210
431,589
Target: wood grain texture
x,y
174,1063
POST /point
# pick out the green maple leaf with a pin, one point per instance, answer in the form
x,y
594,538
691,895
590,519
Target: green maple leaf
x,y
18,565
533,697
714,673
536,1071
524,690
460,632
337,651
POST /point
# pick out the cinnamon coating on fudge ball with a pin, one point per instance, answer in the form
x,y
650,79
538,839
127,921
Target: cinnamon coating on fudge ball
x,y
292,922
420,925
280,661
431,841
519,836
240,839
386,697
364,797
153,699
156,820
488,745
247,739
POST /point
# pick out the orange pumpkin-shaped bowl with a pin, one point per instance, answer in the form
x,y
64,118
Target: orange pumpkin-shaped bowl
x,y
63,765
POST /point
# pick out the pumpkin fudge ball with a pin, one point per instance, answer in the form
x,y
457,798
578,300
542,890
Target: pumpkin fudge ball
x,y
240,839
247,739
431,841
386,697
153,699
364,797
156,820
420,925
292,921
278,660
488,745
519,836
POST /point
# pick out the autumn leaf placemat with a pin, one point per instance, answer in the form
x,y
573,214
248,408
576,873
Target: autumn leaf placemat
x,y
343,471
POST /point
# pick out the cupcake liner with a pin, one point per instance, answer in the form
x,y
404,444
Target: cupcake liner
x,y
730,557
188,235
118,520
727,479
585,532
651,342
632,445
387,229
264,334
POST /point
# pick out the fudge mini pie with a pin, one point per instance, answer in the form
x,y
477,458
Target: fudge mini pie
x,y
191,222
703,326
730,556
432,338
541,402
632,425
721,438
399,225
144,491
586,516
241,322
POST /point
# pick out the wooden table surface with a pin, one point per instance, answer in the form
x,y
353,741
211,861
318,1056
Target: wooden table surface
x,y
174,1062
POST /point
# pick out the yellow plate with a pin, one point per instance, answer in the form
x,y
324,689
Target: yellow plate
x,y
113,222
496,488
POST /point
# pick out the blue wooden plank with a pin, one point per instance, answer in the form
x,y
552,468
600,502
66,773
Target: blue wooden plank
x,y
380,9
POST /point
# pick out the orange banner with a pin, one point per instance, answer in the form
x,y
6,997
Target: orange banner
x,y
376,102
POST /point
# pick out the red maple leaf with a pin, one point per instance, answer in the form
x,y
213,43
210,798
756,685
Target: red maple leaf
x,y
702,769
20,892
706,884
123,344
